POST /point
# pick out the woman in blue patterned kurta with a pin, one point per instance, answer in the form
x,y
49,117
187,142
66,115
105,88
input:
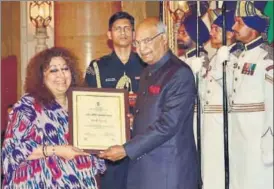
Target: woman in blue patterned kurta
x,y
35,151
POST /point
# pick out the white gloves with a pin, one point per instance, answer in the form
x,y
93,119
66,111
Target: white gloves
x,y
222,54
217,65
196,64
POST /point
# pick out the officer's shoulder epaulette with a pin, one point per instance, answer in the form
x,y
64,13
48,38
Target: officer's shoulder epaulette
x,y
94,60
269,74
104,60
100,60
90,68
269,51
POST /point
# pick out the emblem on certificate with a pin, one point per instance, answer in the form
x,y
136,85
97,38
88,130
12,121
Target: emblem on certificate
x,y
98,118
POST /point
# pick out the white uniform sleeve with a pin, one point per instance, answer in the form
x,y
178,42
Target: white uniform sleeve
x,y
267,133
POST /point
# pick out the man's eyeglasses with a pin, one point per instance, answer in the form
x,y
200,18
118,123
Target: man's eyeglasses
x,y
146,41
125,29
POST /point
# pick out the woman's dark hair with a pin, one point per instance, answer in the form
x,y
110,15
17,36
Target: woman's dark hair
x,y
34,83
120,15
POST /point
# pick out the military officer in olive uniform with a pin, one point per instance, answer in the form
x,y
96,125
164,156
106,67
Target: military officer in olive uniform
x,y
121,70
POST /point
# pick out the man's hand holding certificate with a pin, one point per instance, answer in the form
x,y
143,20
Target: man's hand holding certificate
x,y
113,153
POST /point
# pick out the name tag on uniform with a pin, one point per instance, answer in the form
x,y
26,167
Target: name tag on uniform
x,y
137,77
110,79
248,69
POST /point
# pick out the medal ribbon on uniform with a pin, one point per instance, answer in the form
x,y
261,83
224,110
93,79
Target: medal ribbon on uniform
x,y
248,69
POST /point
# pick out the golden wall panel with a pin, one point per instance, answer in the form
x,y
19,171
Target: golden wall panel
x,y
82,27
136,8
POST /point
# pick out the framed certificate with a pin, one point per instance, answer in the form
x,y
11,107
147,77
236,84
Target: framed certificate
x,y
98,118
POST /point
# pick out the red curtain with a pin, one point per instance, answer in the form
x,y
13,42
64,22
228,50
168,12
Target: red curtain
x,y
8,86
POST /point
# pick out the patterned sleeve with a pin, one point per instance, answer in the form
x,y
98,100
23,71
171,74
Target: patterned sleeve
x,y
98,165
18,143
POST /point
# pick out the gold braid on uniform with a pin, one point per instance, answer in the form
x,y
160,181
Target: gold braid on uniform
x,y
97,74
124,81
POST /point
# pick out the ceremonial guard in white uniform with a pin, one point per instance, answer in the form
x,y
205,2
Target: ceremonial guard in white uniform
x,y
211,93
187,39
251,101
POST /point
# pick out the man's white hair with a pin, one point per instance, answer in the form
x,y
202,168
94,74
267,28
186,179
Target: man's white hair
x,y
161,27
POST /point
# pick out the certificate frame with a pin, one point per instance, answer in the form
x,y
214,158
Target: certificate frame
x,y
94,122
